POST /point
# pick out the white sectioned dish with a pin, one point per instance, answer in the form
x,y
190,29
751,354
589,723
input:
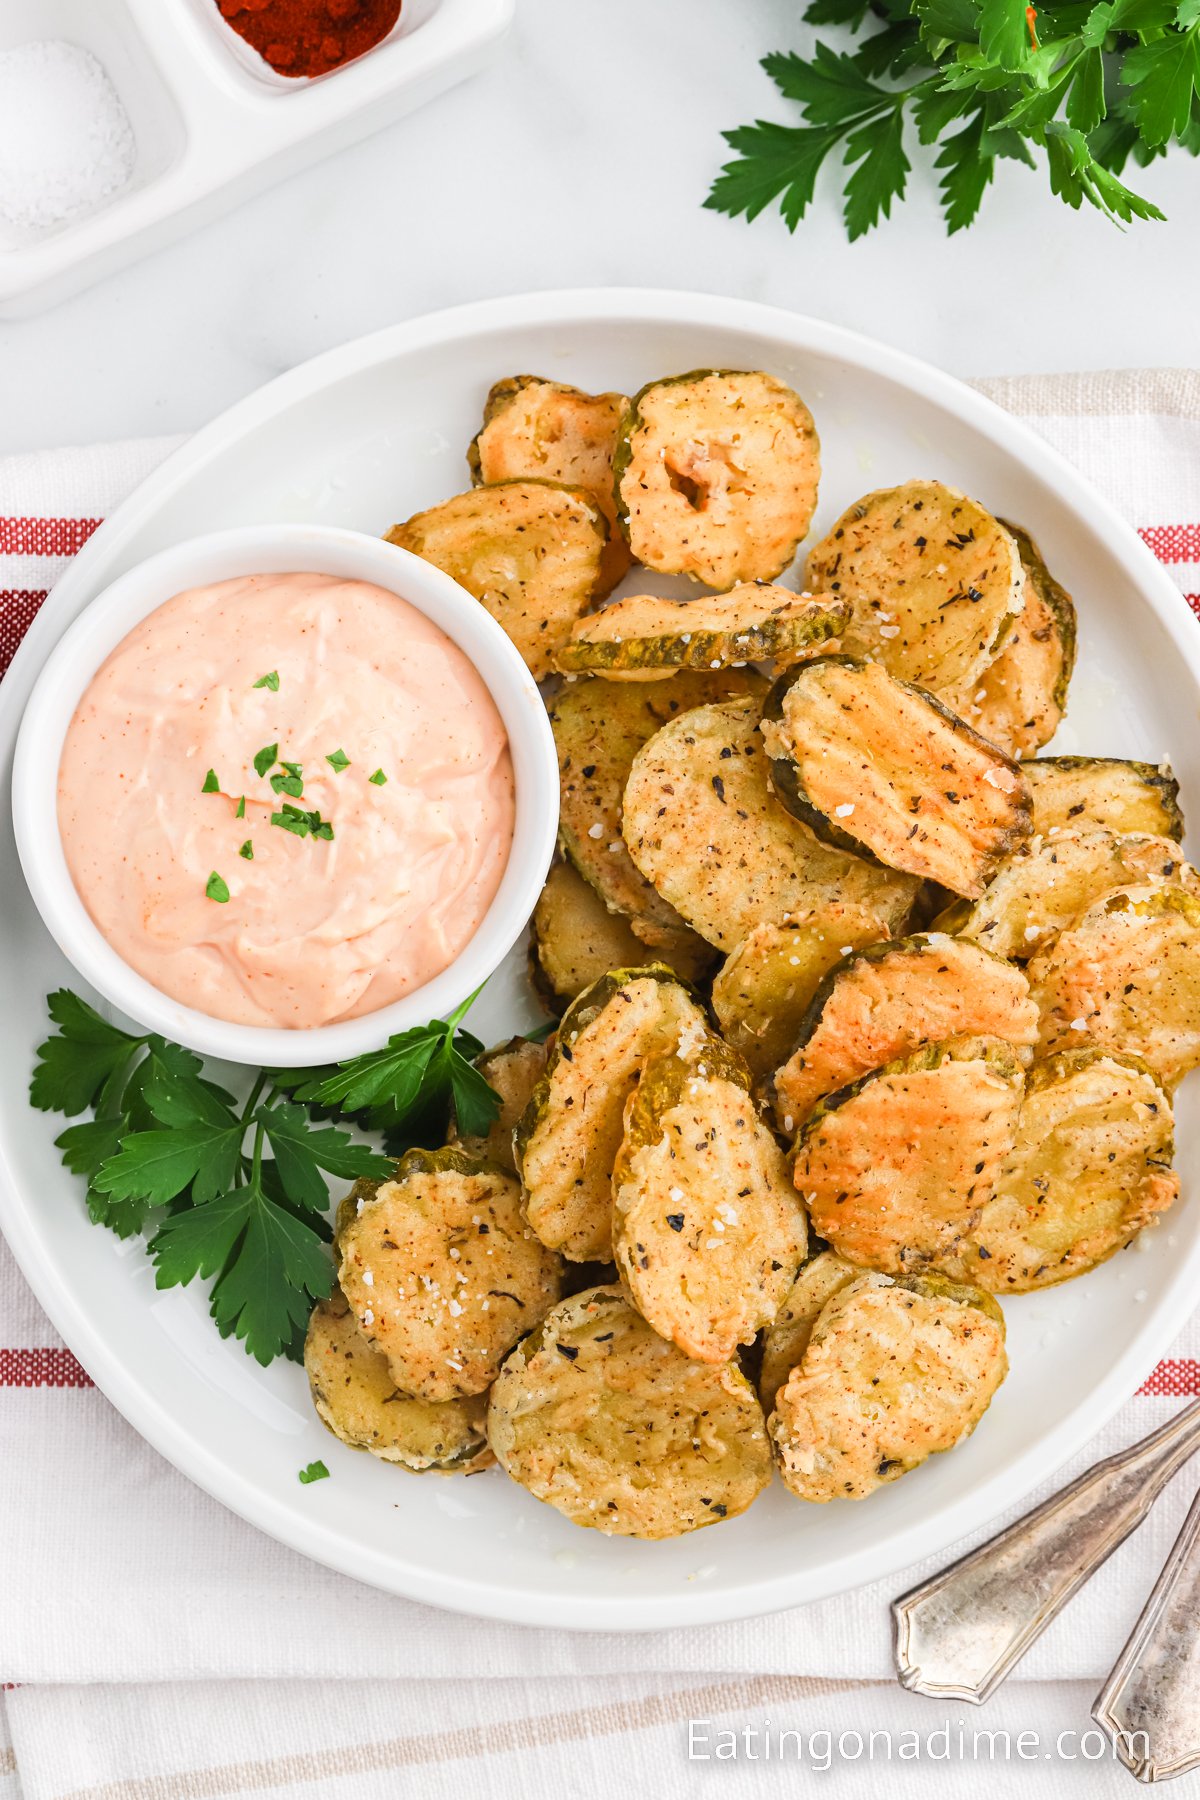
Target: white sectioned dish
x,y
279,550
214,123
365,436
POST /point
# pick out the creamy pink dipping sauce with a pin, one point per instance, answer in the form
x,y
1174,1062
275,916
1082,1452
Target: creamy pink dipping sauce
x,y
315,929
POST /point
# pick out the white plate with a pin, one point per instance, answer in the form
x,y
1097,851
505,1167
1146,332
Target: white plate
x,y
362,437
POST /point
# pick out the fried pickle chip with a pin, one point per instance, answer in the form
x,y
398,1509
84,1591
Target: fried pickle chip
x,y
1092,793
645,636
1022,693
894,1372
1126,975
511,1070
707,1227
600,1417
766,985
786,1338
935,582
442,1273
1090,1167
530,551
879,768
896,1168
357,1399
568,1139
887,1000
703,825
716,475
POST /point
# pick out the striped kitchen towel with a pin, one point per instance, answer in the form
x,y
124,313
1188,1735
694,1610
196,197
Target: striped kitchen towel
x,y
115,1573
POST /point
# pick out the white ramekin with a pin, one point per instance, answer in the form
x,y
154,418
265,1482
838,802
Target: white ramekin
x,y
271,550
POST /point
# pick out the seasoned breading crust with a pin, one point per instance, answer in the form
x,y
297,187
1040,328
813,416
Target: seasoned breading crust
x,y
553,432
530,551
1044,886
1126,975
895,1168
357,1399
894,1373
599,730
1090,1167
600,1417
883,769
786,1338
511,1070
887,1000
707,1227
703,825
716,475
1089,793
644,636
1022,693
568,1139
935,582
576,939
443,1274
766,985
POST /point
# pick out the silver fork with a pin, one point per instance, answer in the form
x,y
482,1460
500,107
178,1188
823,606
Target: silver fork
x,y
959,1634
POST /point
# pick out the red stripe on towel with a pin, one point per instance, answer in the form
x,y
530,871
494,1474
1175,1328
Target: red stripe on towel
x,y
17,607
44,537
51,1367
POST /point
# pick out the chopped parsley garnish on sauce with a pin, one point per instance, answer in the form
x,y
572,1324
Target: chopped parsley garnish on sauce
x,y
316,1471
211,784
269,681
247,850
241,808
216,889
301,823
266,759
288,784
338,761
379,778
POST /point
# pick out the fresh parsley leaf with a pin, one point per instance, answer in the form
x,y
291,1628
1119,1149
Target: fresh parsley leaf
x,y
831,86
158,1166
211,784
774,162
266,758
288,784
966,171
217,888
73,1067
86,1147
379,778
338,760
321,828
1165,77
270,680
1004,33
476,1104
241,808
316,1471
293,819
393,1074
877,148
247,850
302,1150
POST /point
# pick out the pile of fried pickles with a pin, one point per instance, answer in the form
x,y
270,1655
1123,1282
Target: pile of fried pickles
x,y
870,1015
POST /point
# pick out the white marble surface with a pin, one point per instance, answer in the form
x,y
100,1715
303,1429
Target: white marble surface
x,y
582,157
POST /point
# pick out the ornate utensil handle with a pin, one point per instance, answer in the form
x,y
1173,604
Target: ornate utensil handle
x,y
959,1634
1150,1703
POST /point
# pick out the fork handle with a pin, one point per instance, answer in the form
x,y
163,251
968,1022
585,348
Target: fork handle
x,y
959,1634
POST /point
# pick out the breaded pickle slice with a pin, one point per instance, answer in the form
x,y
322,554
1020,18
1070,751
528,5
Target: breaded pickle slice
x,y
703,825
716,475
599,729
512,1070
935,582
766,985
894,1372
530,551
1087,793
1022,693
645,636
356,1397
707,1226
895,1168
1126,975
552,432
443,1274
1091,1166
568,1139
600,1417
786,1338
1047,883
883,769
887,1000
576,939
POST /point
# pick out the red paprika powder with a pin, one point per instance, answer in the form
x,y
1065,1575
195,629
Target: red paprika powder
x,y
310,37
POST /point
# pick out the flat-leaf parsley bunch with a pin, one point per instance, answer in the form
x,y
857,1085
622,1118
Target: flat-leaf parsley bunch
x,y
234,1191
1081,88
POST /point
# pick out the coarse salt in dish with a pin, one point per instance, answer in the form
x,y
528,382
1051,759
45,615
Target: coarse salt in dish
x,y
66,144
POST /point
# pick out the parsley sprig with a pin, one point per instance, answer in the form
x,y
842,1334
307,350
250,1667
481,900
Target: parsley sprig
x,y
1080,87
234,1192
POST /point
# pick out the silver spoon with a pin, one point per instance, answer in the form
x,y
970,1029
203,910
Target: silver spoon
x,y
959,1634
1150,1704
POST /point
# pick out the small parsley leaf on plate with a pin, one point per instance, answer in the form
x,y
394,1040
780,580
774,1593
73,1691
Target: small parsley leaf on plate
x,y
302,1150
73,1067
316,1471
